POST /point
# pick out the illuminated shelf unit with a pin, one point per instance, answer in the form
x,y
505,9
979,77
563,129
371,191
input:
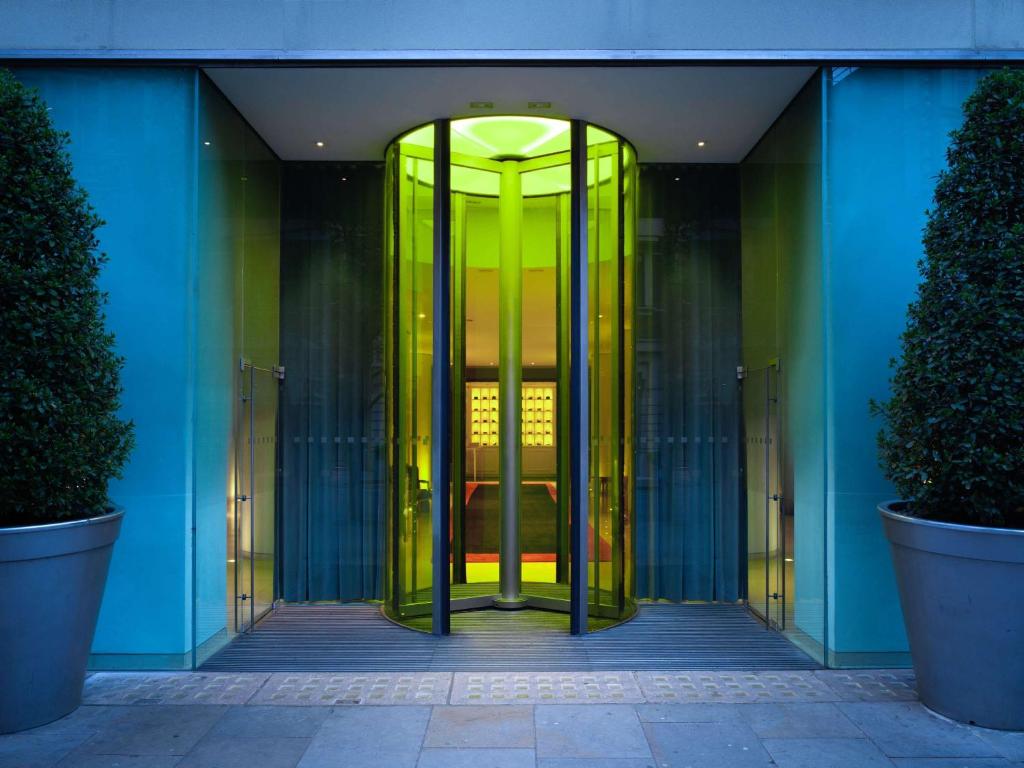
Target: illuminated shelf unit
x,y
538,403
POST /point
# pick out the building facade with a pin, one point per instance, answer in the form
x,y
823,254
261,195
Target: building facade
x,y
354,248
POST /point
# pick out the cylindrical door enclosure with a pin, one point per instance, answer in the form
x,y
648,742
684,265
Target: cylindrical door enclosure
x,y
516,225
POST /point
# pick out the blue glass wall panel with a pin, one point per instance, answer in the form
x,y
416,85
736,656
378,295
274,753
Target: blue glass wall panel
x,y
687,408
132,149
887,135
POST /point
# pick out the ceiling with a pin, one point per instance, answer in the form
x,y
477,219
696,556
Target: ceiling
x,y
663,111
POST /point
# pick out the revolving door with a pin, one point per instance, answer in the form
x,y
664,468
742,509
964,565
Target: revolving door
x,y
508,370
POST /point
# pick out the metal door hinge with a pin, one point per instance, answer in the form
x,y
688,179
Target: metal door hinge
x,y
741,372
278,371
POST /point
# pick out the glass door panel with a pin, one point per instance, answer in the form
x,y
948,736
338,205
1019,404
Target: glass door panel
x,y
410,354
766,542
606,330
252,526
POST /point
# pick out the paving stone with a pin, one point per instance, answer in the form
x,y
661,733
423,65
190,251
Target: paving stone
x,y
283,721
871,684
88,719
705,745
38,750
794,720
154,730
951,762
481,727
590,762
909,730
171,687
369,737
1010,744
690,713
734,687
245,752
825,753
589,731
544,688
76,760
476,758
328,689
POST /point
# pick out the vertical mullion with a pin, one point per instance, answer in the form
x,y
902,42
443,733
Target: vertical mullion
x,y
440,459
579,411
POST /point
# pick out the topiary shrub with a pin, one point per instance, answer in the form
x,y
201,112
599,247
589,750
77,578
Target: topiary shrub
x,y
953,436
61,440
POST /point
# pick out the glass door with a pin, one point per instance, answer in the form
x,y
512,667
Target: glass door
x,y
409,353
252,526
766,534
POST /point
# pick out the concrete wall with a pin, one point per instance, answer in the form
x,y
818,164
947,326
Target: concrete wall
x,y
468,29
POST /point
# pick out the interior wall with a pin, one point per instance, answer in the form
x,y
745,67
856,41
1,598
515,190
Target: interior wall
x,y
332,401
783,319
888,130
131,147
687,301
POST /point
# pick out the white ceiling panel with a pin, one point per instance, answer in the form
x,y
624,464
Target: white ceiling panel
x,y
663,111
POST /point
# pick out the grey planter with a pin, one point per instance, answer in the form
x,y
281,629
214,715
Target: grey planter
x,y
51,579
962,592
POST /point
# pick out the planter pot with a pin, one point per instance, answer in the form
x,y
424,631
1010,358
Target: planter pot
x,y
51,580
962,591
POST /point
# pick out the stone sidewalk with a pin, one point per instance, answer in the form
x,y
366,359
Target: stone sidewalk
x,y
507,720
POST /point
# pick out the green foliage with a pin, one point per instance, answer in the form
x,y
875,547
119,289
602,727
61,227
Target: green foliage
x,y
60,437
953,441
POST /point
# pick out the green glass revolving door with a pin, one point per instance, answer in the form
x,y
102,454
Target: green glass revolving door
x,y
501,272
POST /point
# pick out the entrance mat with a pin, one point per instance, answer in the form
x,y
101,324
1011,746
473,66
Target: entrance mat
x,y
356,637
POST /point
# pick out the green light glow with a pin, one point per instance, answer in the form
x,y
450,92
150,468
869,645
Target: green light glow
x,y
509,136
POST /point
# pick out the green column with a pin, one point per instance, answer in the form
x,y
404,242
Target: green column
x,y
510,380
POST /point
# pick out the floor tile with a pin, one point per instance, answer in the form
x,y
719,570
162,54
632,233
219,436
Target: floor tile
x,y
733,687
476,758
245,752
787,720
825,753
690,713
1010,744
154,730
481,726
283,721
589,731
38,750
326,689
544,687
909,730
171,687
705,745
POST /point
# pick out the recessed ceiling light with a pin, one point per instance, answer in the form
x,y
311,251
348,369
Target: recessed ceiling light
x,y
206,143
676,179
344,178
481,105
319,143
700,143
539,105
422,315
